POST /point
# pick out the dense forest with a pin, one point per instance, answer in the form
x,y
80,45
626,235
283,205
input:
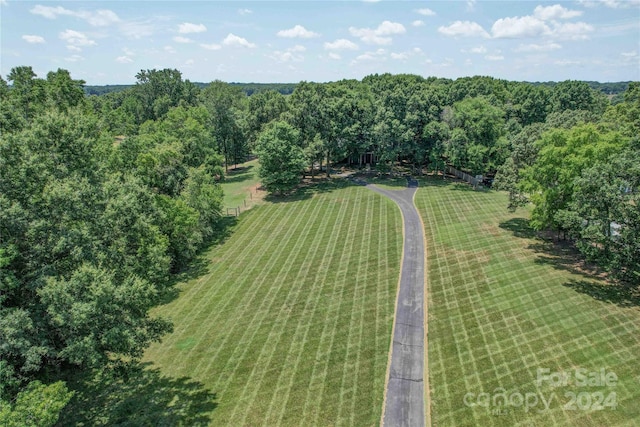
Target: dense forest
x,y
104,198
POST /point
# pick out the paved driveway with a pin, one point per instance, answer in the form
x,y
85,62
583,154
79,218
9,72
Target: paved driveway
x,y
404,404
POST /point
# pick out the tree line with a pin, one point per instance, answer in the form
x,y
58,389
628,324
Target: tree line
x,y
104,198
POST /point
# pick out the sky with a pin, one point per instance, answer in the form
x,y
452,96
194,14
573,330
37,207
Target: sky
x,y
109,42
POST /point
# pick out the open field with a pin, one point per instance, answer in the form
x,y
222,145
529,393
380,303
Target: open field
x,y
502,305
239,183
291,323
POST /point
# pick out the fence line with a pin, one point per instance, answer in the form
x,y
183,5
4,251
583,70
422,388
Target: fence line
x,y
236,211
464,176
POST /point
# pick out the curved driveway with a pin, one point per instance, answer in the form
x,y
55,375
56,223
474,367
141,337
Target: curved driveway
x,y
404,402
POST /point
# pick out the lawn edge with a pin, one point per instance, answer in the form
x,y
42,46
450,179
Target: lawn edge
x,y
425,378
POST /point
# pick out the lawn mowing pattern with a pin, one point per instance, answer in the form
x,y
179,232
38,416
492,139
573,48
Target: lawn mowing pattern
x,y
292,323
500,308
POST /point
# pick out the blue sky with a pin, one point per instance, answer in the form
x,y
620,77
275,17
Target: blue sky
x,y
108,42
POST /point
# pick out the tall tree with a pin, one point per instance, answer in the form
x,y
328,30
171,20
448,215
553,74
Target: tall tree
x,y
282,159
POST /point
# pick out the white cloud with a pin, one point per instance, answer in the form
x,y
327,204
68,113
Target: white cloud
x,y
283,56
124,59
426,12
76,40
212,46
417,23
245,11
233,40
99,18
3,2
377,36
297,31
291,54
629,54
463,29
341,44
518,27
188,28
189,62
33,39
401,56
377,55
334,55
471,5
494,57
573,30
533,47
555,12
613,4
180,39
169,49
74,58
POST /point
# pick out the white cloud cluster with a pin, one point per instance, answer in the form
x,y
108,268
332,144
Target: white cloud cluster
x,y
463,29
237,41
517,27
341,44
613,4
292,54
297,31
379,35
418,23
76,40
245,11
188,28
99,18
545,22
29,38
555,12
425,12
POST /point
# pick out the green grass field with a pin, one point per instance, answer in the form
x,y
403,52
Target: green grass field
x,y
291,324
502,305
240,186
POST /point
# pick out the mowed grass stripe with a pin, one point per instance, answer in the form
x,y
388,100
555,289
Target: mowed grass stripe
x,y
500,307
258,308
282,312
283,281
287,319
311,409
193,311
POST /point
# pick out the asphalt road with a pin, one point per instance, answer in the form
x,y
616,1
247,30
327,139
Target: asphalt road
x,y
404,404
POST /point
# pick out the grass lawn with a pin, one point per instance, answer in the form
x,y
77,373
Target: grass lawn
x,y
503,305
240,186
291,324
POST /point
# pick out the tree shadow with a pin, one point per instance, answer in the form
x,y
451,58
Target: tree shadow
x,y
519,227
241,174
309,188
623,295
199,265
136,395
563,255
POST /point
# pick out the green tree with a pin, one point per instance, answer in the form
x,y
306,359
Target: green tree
x,y
562,156
282,159
226,106
38,405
